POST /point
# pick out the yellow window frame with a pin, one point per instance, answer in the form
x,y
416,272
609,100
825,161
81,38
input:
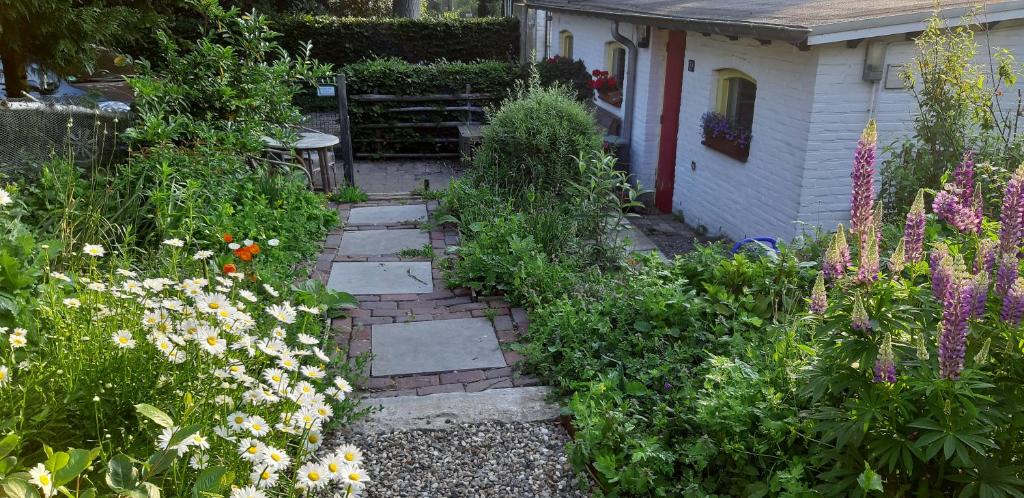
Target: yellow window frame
x,y
565,41
724,75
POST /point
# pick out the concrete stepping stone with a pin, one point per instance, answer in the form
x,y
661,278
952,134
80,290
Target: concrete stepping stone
x,y
434,346
443,410
377,242
387,215
391,277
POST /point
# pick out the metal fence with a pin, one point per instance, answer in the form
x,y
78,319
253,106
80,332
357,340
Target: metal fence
x,y
32,133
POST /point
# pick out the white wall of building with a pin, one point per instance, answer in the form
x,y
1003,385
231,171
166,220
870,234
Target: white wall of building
x,y
761,196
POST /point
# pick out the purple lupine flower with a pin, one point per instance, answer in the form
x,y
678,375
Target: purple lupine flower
x,y
1006,275
859,319
981,284
953,338
985,259
941,271
1013,303
837,258
957,203
1012,219
867,269
863,195
885,364
913,230
819,298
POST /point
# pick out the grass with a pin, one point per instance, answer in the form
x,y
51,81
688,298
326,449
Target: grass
x,y
348,194
427,251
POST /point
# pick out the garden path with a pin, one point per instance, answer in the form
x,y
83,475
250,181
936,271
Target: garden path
x,y
425,338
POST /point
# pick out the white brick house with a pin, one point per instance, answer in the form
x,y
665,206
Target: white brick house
x,y
821,69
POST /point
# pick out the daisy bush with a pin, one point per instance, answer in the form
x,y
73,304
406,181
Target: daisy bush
x,y
196,380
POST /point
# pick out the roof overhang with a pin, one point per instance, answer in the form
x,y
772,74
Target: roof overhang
x,y
764,31
795,34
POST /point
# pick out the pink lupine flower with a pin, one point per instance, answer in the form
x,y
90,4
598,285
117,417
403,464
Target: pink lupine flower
x,y
867,269
859,319
953,338
957,203
885,364
819,298
1012,219
981,284
863,196
837,258
913,230
898,259
1013,303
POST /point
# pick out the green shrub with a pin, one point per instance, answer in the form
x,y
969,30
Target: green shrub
x,y
533,144
345,40
394,76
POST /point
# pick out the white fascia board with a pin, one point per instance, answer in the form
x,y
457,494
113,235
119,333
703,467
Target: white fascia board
x,y
910,23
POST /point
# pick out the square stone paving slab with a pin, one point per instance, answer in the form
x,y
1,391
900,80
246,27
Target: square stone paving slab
x,y
392,277
383,215
376,242
435,346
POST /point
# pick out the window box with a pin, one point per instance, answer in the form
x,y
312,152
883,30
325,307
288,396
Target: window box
x,y
728,147
612,97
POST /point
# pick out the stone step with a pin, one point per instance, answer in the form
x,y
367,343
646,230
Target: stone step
x,y
389,277
440,411
434,346
381,242
388,215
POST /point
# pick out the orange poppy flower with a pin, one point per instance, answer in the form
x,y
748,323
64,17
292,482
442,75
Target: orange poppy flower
x,y
243,253
254,249
230,268
228,238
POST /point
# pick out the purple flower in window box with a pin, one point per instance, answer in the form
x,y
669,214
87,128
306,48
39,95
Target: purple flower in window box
x,y
715,125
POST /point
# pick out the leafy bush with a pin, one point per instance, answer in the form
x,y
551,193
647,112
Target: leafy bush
x,y
963,106
534,142
572,74
346,40
234,85
394,76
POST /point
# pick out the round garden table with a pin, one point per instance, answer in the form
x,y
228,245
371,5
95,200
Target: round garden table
x,y
310,143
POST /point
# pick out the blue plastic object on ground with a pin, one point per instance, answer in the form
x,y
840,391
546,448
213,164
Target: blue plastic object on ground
x,y
767,241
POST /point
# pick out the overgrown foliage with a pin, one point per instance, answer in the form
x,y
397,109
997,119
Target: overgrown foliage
x,y
570,73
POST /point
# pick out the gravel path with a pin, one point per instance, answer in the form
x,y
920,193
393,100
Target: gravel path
x,y
470,460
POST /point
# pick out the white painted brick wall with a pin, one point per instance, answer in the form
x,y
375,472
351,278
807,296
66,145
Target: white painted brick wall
x,y
841,102
761,196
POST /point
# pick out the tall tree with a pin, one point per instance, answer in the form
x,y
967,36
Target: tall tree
x,y
406,8
61,35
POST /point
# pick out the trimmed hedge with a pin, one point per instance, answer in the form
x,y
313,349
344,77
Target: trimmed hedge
x,y
346,40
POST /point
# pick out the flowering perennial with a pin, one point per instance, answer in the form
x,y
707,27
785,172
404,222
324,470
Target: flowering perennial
x,y
1013,303
837,258
1012,220
819,298
885,364
957,309
957,203
913,231
863,196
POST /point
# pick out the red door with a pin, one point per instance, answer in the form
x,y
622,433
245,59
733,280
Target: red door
x,y
666,175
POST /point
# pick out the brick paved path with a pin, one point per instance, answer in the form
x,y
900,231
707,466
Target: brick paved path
x,y
440,305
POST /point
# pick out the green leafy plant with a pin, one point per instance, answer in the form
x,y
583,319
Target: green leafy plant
x,y
347,194
425,252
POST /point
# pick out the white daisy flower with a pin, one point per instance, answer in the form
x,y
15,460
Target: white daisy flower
x,y
212,303
355,478
250,448
94,250
275,458
174,243
313,372
320,355
342,385
333,464
126,273
273,242
275,376
236,421
123,339
264,478
60,276
248,242
72,303
313,440
199,441
349,454
5,375
288,363
247,295
247,492
201,255
41,477
270,290
308,339
282,312
97,286
5,198
17,341
211,342
199,461
257,426
312,476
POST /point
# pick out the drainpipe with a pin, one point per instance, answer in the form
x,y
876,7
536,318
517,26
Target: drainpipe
x,y
627,116
547,34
